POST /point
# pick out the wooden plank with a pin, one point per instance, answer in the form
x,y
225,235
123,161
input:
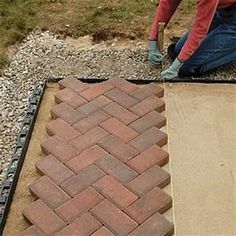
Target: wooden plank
x,y
161,29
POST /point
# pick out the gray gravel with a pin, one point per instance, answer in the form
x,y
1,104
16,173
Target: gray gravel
x,y
43,55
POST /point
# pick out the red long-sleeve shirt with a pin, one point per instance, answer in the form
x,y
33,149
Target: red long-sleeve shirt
x,y
205,13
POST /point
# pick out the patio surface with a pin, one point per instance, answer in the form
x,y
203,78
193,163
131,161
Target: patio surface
x,y
202,169
102,173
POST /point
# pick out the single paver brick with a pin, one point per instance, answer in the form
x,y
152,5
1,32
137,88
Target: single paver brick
x,y
115,191
48,191
156,225
84,225
147,121
103,231
67,113
113,218
147,105
96,90
119,129
148,138
118,148
91,121
54,169
121,98
62,129
70,97
154,201
152,177
82,180
32,231
147,91
94,105
120,113
153,155
89,139
123,85
73,84
59,148
116,168
81,203
87,157
43,217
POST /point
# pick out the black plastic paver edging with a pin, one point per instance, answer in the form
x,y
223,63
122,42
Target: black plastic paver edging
x,y
142,81
9,185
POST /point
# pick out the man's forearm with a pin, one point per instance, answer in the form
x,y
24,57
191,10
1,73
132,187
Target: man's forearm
x,y
205,12
164,12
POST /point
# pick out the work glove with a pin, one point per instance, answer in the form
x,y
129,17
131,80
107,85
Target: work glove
x,y
154,55
172,71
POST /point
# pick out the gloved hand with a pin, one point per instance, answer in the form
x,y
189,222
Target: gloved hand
x,y
172,71
154,55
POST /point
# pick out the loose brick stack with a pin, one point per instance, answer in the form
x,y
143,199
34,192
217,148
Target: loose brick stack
x,y
102,174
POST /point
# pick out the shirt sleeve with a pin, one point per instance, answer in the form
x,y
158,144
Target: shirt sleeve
x,y
164,12
205,12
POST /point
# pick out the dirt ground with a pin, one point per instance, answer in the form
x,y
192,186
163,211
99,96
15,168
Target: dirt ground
x,y
103,20
22,198
202,136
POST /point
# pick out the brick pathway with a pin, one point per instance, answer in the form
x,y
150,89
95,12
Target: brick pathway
x,y
102,174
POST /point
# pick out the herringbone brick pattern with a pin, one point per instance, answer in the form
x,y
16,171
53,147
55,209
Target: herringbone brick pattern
x,y
102,172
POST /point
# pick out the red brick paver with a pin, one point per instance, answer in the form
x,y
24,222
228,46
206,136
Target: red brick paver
x,y
153,155
115,191
121,98
96,90
119,129
49,192
155,225
90,138
148,90
70,97
103,231
154,176
149,138
92,106
154,201
32,231
113,218
86,158
73,84
67,113
102,174
84,225
91,121
62,129
39,214
123,85
59,148
120,113
147,105
54,169
148,121
82,180
116,168
81,203
117,147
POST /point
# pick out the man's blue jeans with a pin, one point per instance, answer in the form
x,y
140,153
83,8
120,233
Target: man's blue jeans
x,y
217,49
